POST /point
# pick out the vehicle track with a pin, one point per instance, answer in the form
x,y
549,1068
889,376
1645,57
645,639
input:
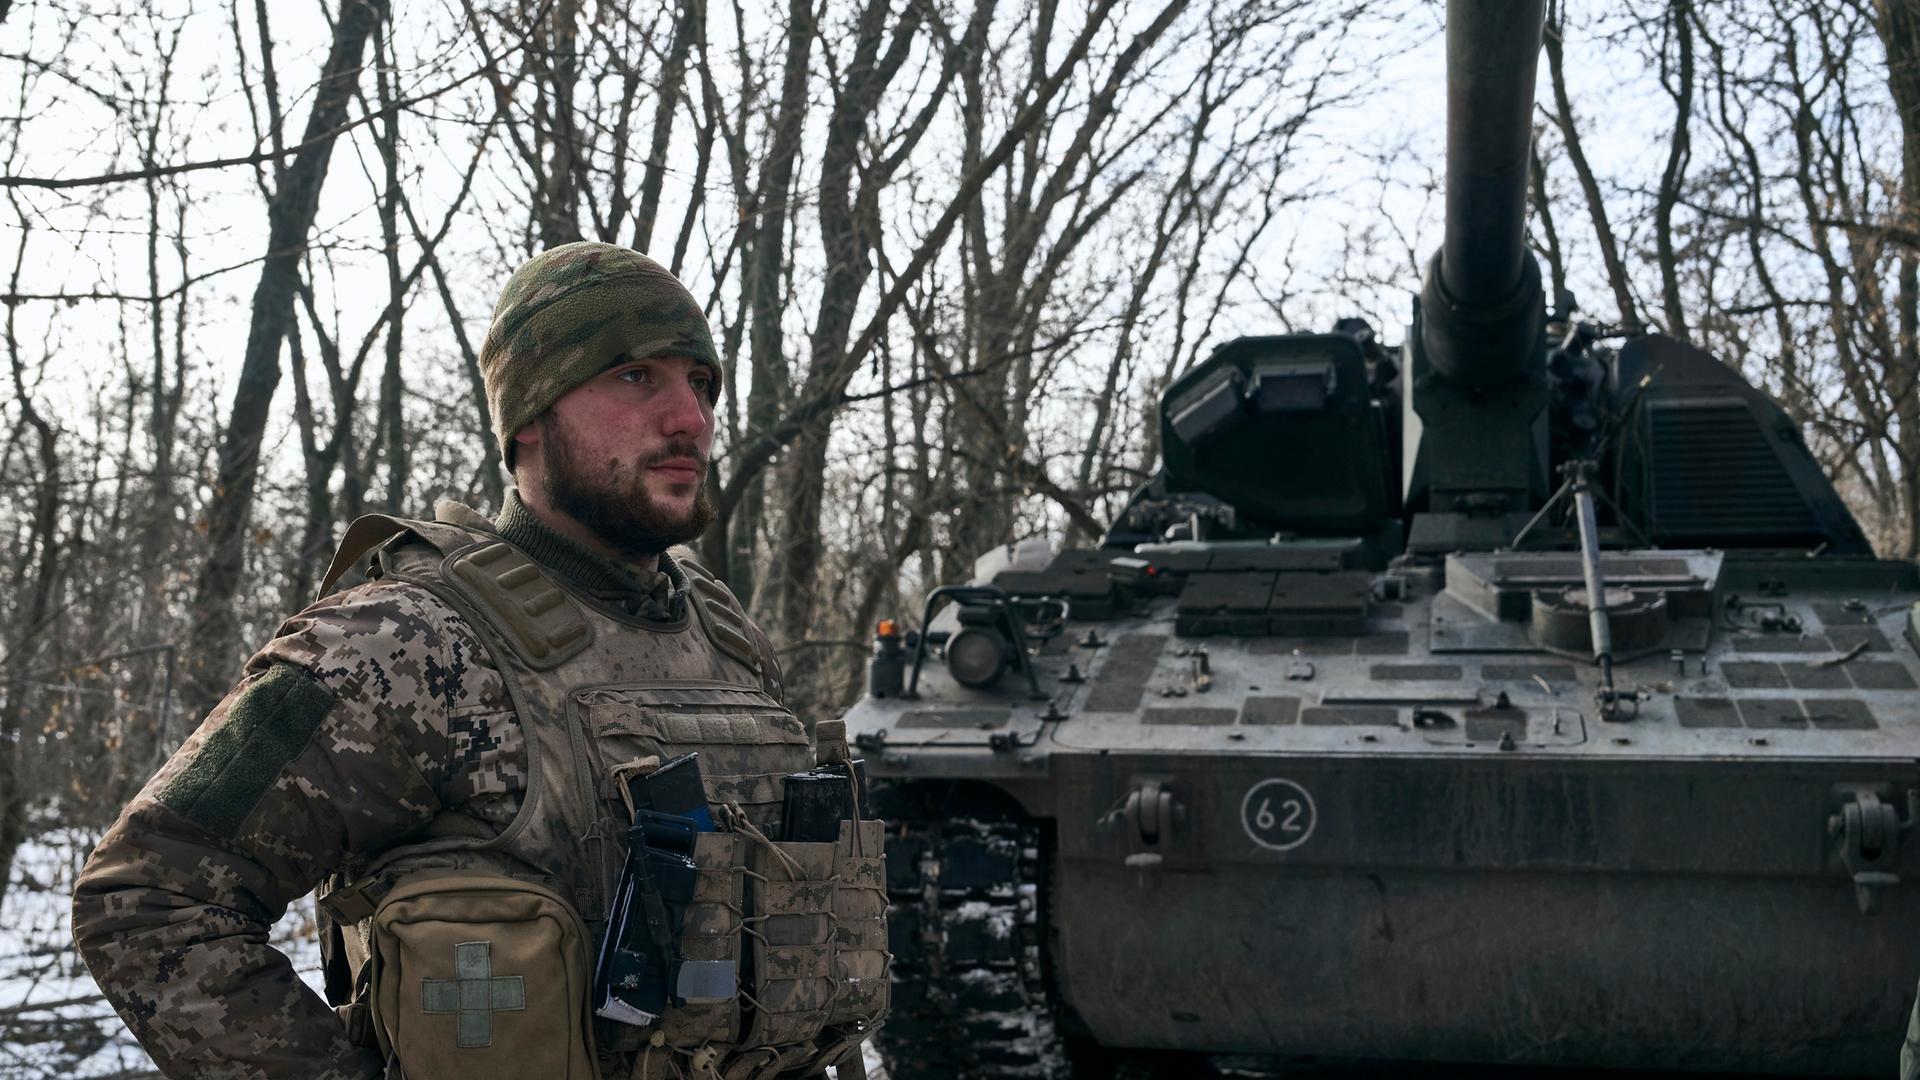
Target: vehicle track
x,y
969,996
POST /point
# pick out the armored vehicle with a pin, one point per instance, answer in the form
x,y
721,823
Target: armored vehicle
x,y
1526,697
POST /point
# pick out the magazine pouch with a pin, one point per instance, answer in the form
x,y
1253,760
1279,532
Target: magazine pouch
x,y
711,932
860,958
806,973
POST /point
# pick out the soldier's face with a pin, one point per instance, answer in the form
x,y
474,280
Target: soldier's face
x,y
626,452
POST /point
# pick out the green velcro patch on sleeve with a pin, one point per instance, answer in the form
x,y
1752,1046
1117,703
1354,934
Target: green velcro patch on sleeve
x,y
266,728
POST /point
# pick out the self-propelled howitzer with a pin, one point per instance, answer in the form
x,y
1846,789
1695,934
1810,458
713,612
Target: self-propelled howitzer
x,y
1526,697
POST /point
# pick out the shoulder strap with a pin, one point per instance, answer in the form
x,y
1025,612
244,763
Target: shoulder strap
x,y
365,534
725,622
372,531
345,902
770,678
535,617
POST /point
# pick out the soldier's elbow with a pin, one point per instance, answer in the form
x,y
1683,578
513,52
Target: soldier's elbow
x,y
95,896
113,898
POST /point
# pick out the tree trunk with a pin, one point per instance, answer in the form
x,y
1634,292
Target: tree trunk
x,y
491,482
1674,177
558,208
666,105
316,531
164,393
392,386
215,641
1009,295
27,623
1899,28
1589,184
1543,213
751,458
760,278
848,260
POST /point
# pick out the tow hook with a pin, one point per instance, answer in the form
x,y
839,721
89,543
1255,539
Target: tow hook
x,y
1149,816
1867,830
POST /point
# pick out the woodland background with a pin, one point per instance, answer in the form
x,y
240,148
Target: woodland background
x,y
951,249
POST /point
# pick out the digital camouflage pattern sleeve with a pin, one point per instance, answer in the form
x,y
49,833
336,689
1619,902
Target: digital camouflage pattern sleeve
x,y
368,713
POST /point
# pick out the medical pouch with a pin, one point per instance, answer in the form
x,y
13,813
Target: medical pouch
x,y
476,976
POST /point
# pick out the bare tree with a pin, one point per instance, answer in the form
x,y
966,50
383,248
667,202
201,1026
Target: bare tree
x,y
39,570
215,633
1563,117
1676,78
763,294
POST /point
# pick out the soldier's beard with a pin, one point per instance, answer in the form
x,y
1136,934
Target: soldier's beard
x,y
612,500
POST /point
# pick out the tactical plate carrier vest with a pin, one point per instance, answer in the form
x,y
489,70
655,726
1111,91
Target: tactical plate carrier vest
x,y
600,696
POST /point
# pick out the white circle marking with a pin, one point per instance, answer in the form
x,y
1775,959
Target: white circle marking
x,y
1278,826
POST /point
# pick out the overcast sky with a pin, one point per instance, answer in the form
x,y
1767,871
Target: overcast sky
x,y
1373,166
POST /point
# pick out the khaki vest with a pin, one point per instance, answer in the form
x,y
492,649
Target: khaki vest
x,y
598,695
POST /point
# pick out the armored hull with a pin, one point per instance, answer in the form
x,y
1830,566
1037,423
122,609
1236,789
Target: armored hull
x,y
1420,841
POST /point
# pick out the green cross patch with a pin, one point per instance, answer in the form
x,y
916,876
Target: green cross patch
x,y
473,995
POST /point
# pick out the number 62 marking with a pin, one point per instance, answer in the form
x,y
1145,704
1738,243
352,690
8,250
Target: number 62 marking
x,y
1278,814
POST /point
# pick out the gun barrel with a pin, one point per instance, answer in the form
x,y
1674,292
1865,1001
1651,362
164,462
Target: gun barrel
x,y
1483,286
1493,49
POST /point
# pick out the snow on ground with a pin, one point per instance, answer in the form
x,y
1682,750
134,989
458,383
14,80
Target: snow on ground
x,y
53,1021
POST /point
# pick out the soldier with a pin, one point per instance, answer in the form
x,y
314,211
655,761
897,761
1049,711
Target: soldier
x,y
444,751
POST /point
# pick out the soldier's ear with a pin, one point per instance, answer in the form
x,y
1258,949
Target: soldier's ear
x,y
529,435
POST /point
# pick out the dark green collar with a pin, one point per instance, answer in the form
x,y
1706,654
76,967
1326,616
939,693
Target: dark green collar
x,y
520,527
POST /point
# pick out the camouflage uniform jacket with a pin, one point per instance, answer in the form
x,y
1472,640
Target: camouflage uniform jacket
x,y
368,713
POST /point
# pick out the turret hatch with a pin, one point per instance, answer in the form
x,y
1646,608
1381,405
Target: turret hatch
x,y
1537,602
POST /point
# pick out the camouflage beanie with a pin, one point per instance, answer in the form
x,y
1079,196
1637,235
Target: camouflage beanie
x,y
571,312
